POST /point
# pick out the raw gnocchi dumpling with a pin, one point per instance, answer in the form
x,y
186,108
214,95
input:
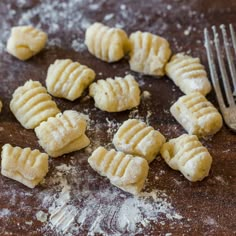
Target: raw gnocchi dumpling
x,y
63,134
0,105
68,79
136,138
149,53
31,104
197,115
114,95
188,74
26,166
187,155
107,44
25,42
124,171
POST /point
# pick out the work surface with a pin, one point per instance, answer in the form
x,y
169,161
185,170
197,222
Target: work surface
x,y
74,200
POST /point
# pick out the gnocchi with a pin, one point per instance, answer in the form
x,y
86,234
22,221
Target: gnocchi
x,y
115,95
25,42
136,138
124,171
148,53
188,74
197,115
107,44
0,105
187,155
26,166
62,134
31,104
67,79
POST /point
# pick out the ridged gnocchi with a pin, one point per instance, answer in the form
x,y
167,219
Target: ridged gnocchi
x,y
26,166
188,74
114,95
25,42
63,134
187,155
136,138
197,115
107,44
31,104
149,53
67,79
124,171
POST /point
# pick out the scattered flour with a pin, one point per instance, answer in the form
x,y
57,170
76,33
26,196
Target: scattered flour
x,y
102,209
4,212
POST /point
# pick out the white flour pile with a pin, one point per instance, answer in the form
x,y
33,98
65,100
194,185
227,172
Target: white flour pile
x,y
103,209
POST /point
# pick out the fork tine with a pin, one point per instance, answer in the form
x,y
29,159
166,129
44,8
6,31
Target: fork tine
x,y
214,76
233,37
221,63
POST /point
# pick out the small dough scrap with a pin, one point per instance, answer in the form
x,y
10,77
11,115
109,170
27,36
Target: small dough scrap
x,y
197,115
136,138
115,95
67,79
26,166
63,134
124,171
149,53
31,104
25,42
187,155
105,43
188,74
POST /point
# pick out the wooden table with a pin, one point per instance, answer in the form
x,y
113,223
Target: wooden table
x,y
206,208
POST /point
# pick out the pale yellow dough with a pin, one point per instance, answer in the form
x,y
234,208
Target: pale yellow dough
x,y
26,166
107,44
187,155
197,115
124,171
188,74
63,134
136,138
31,104
115,95
68,79
149,53
26,41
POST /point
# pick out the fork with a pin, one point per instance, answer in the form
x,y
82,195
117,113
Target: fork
x,y
228,111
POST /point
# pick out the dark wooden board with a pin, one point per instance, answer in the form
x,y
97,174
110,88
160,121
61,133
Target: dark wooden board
x,y
207,207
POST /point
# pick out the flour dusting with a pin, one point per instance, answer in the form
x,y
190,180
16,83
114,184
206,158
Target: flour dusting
x,y
102,209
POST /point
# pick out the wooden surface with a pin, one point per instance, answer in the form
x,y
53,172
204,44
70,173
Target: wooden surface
x,y
207,207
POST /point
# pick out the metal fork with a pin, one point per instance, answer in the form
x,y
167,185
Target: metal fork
x,y
228,111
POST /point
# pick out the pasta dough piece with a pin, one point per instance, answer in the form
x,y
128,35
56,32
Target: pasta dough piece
x,y
67,79
197,115
31,104
136,138
149,53
188,74
63,133
124,171
107,44
26,166
25,42
114,95
187,155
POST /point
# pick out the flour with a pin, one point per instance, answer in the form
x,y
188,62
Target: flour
x,y
104,209
4,212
